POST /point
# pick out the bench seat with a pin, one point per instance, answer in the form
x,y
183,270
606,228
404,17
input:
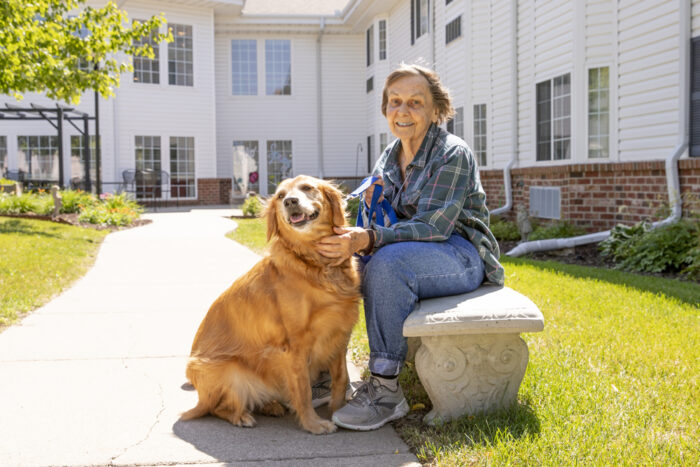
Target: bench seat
x,y
472,359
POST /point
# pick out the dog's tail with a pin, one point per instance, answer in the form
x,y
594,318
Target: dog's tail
x,y
200,410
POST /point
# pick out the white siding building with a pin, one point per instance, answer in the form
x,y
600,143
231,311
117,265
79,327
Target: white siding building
x,y
584,97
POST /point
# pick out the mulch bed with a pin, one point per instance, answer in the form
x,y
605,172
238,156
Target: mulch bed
x,y
72,219
583,255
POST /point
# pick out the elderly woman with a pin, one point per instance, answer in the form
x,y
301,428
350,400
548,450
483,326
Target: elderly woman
x,y
441,244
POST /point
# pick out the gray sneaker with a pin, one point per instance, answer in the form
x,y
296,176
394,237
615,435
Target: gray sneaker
x,y
371,406
321,390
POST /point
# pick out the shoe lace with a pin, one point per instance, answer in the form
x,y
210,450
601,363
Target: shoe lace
x,y
366,393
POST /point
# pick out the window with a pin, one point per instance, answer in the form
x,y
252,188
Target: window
x,y
370,153
370,45
382,39
278,74
447,2
279,163
3,155
244,67
147,70
182,179
78,160
148,177
598,113
383,142
180,56
370,84
694,149
453,29
245,167
480,133
554,119
419,19
456,124
38,156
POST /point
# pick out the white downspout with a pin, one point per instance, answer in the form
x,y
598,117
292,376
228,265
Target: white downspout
x,y
672,179
514,112
319,97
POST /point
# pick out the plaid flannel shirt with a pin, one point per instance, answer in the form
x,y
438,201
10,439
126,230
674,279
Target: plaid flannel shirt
x,y
442,193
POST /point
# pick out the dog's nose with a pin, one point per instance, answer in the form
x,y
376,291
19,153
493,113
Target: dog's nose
x,y
289,202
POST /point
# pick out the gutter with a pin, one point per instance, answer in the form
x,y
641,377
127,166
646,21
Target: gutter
x,y
514,112
672,178
319,97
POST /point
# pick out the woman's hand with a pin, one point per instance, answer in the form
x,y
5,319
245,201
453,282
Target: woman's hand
x,y
348,240
369,191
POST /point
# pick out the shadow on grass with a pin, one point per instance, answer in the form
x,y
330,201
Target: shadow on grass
x,y
685,291
21,227
502,426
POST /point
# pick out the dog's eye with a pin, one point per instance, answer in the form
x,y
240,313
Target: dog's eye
x,y
306,188
281,195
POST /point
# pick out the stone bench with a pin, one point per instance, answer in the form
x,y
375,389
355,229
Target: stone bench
x,y
471,358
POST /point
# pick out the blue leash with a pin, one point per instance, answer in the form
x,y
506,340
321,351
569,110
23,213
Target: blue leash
x,y
377,210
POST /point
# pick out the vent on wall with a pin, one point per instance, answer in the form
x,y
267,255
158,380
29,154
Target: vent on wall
x,y
545,202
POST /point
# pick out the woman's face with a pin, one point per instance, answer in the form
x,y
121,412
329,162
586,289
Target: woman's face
x,y
410,109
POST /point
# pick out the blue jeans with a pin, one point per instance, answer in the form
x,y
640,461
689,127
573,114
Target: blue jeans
x,y
400,274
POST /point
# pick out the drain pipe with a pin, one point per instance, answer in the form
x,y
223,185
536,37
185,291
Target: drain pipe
x,y
514,112
319,97
672,179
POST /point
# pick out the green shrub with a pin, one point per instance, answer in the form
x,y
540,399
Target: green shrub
x,y
351,207
622,240
76,200
556,230
252,207
38,203
117,210
4,181
504,229
671,248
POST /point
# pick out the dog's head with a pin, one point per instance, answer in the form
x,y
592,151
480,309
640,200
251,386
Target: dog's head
x,y
304,207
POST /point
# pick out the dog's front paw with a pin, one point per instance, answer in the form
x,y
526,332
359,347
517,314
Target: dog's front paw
x,y
321,427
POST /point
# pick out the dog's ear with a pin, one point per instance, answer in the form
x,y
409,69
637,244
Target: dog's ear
x,y
270,215
335,199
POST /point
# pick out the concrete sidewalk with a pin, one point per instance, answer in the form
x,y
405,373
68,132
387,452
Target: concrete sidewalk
x,y
96,376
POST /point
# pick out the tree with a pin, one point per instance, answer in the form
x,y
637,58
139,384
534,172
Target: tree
x,y
63,48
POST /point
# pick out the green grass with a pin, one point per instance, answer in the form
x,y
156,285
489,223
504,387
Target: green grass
x,y
612,379
251,233
38,259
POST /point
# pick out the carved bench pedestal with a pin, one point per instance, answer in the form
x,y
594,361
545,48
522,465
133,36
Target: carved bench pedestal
x,y
472,359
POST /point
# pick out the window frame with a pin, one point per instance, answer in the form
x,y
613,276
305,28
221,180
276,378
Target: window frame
x,y
183,145
251,71
140,60
47,146
186,76
271,188
605,153
551,105
480,122
417,19
286,88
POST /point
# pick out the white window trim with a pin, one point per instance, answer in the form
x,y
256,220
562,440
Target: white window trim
x,y
613,154
575,129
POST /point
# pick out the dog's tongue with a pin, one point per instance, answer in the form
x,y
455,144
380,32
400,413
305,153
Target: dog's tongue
x,y
296,218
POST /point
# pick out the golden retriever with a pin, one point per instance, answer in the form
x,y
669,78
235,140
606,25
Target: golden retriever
x,y
267,337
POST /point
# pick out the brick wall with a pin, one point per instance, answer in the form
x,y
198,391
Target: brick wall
x,y
214,190
599,196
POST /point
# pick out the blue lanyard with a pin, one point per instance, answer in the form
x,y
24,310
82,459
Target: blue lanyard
x,y
376,209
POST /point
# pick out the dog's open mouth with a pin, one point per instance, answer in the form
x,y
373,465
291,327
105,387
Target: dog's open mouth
x,y
299,218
